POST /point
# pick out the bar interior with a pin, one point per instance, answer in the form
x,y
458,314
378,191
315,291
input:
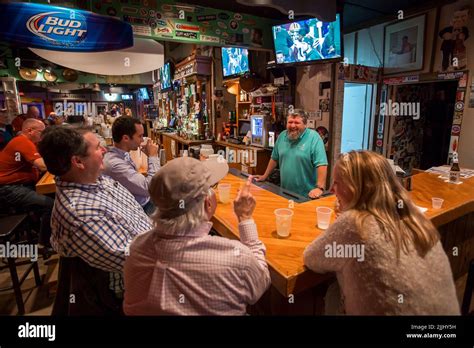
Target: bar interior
x,y
236,157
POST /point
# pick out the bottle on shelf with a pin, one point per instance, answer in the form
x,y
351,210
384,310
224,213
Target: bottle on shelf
x,y
232,116
455,171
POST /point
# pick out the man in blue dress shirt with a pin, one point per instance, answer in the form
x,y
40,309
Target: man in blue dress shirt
x,y
127,134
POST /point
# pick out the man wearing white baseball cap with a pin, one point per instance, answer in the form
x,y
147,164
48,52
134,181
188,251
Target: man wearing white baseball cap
x,y
177,268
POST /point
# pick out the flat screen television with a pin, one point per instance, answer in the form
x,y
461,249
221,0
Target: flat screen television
x,y
143,94
235,61
308,40
127,97
165,77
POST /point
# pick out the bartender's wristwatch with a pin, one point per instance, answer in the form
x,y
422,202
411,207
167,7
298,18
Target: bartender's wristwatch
x,y
319,187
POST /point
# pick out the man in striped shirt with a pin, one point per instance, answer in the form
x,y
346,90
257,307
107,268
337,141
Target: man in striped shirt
x,y
94,217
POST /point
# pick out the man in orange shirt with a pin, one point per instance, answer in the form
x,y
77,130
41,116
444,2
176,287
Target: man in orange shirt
x,y
20,167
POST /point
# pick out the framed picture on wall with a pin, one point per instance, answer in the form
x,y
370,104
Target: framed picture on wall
x,y
404,43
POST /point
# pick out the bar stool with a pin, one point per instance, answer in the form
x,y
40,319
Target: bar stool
x,y
466,301
11,228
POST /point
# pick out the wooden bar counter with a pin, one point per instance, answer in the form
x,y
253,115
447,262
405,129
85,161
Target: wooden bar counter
x,y
296,290
46,184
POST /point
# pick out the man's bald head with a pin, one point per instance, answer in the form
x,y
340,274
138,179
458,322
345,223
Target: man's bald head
x,y
31,123
33,112
32,129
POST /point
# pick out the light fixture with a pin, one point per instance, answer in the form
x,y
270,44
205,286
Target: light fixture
x,y
233,88
110,96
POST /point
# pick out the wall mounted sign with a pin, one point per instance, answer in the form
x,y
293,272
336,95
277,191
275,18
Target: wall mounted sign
x,y
187,27
207,38
457,117
62,29
458,111
171,19
459,106
401,79
460,95
186,34
206,18
139,30
450,76
455,130
453,145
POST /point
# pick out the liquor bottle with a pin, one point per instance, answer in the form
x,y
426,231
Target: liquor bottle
x,y
454,172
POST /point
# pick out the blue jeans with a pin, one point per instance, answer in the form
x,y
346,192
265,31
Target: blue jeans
x,y
24,198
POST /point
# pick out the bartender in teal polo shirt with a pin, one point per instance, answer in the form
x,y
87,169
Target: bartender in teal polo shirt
x,y
300,153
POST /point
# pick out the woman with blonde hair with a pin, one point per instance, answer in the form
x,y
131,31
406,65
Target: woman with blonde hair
x,y
386,254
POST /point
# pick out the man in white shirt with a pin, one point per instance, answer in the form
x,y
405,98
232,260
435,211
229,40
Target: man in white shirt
x,y
127,134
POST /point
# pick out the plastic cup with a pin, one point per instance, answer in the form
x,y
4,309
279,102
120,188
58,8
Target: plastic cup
x,y
437,202
145,140
283,217
224,193
324,217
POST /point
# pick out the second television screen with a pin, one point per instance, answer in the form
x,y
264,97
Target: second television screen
x,y
235,61
307,40
165,77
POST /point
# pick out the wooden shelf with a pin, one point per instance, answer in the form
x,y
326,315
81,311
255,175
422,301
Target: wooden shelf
x,y
247,102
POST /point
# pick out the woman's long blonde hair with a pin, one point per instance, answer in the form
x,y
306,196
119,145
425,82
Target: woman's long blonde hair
x,y
377,192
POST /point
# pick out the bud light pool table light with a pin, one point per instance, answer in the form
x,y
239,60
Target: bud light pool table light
x,y
62,29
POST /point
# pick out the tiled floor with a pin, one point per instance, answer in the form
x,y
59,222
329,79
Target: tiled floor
x,y
39,300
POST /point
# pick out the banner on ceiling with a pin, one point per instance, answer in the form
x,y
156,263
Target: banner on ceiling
x,y
62,29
